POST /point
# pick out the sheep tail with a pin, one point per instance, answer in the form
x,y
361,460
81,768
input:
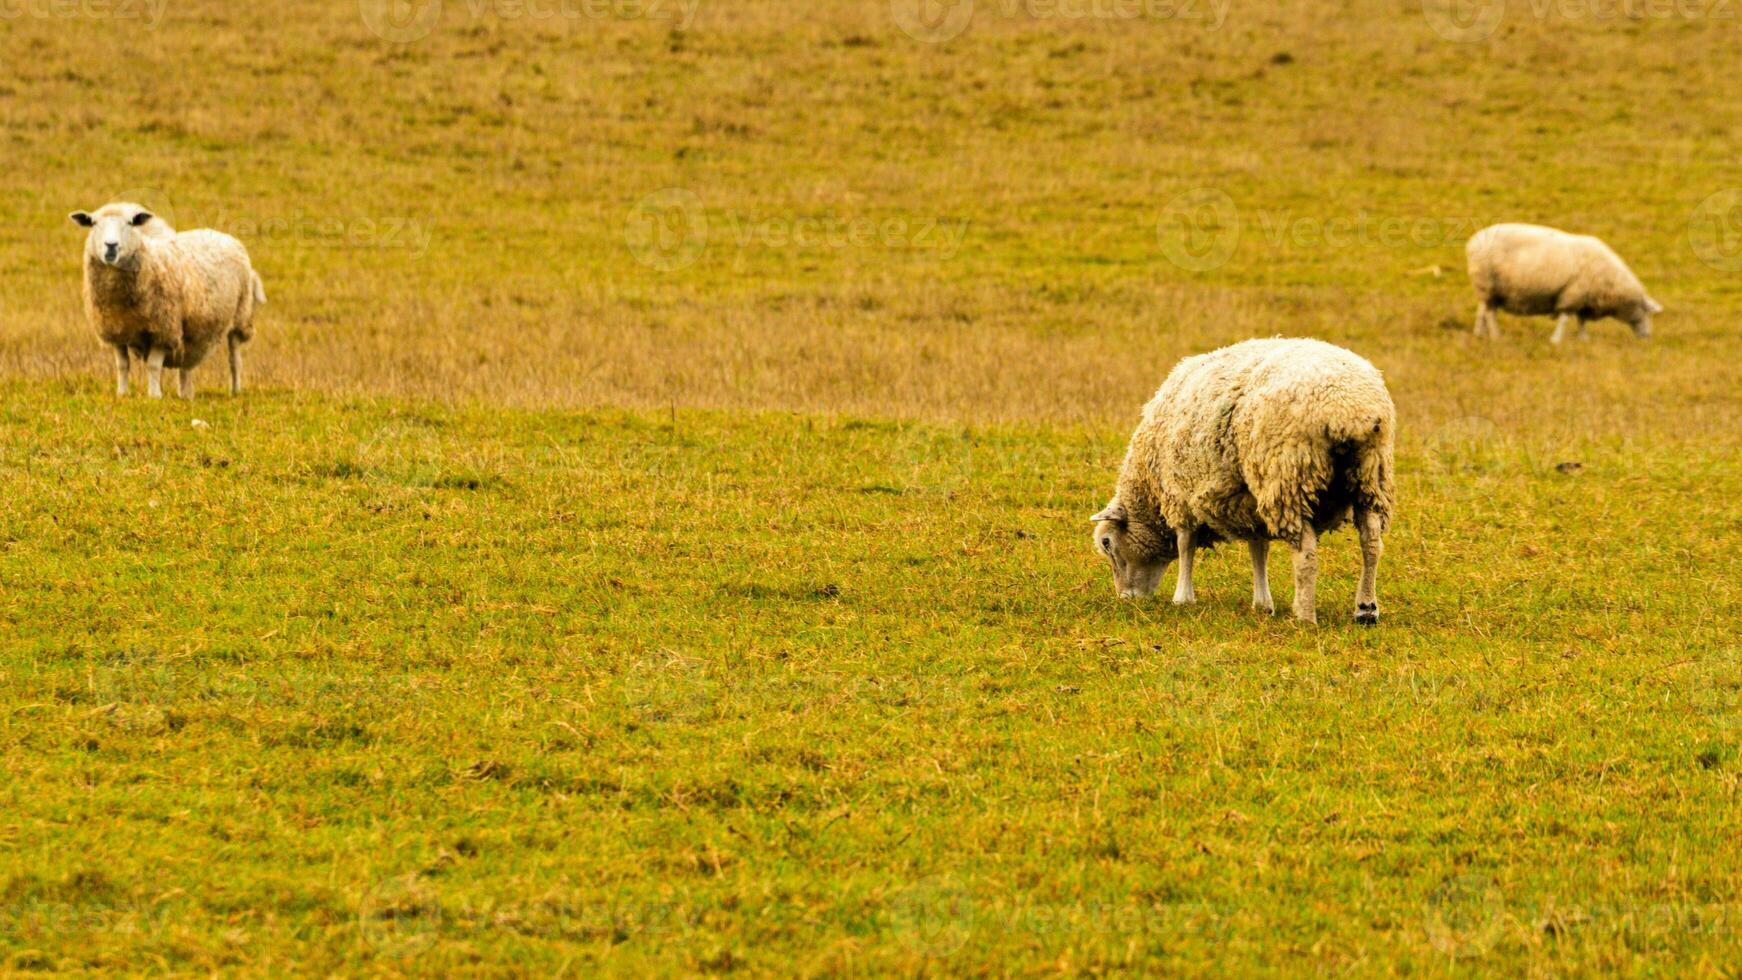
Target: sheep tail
x,y
259,287
1374,472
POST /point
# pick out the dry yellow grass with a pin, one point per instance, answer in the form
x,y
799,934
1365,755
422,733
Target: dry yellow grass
x,y
469,215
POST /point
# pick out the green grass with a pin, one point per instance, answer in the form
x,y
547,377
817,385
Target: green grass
x,y
347,685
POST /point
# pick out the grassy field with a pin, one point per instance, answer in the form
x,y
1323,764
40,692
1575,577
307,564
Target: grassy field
x,y
655,541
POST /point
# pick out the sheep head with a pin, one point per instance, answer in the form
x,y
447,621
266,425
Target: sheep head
x,y
1639,318
1139,551
118,231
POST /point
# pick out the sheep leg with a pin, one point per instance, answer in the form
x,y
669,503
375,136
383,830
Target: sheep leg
x,y
154,371
1487,321
1584,329
1261,601
186,385
1560,329
1182,593
122,362
1372,547
235,365
1306,575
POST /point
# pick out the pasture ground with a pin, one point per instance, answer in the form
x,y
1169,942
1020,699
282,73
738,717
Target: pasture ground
x,y
655,541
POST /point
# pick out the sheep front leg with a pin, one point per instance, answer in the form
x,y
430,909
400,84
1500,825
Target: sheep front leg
x,y
1306,575
1372,547
154,371
1560,329
1182,593
235,365
186,384
1487,321
1584,329
122,363
1261,601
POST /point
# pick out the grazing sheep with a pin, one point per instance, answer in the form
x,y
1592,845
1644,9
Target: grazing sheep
x,y
168,297
1529,270
1265,440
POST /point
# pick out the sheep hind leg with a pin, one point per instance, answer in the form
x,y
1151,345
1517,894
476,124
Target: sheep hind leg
x,y
154,371
1261,600
235,365
1372,547
186,383
1183,594
1560,329
122,364
1584,329
1306,575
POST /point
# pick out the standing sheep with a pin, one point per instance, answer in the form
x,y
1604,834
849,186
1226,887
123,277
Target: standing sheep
x,y
168,297
1529,270
1265,440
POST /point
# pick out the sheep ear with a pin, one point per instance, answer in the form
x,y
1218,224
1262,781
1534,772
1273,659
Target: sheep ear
x,y
1653,306
1115,513
82,218
141,218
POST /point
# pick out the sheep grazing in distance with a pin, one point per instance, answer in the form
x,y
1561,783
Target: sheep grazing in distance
x,y
1263,441
1529,270
166,296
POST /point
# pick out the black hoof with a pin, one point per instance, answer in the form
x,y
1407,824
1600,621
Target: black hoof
x,y
1366,618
